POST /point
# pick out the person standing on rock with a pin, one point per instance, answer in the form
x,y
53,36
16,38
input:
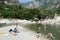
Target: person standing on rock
x,y
16,25
16,28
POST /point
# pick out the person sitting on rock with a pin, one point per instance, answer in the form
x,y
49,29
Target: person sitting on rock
x,y
15,30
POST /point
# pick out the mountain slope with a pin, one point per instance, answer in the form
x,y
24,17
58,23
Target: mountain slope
x,y
43,4
10,2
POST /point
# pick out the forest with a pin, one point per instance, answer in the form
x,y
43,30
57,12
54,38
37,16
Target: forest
x,y
20,12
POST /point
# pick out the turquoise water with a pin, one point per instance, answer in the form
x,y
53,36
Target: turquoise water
x,y
54,29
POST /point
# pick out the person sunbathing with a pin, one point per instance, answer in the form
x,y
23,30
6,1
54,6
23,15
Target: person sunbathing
x,y
12,32
50,35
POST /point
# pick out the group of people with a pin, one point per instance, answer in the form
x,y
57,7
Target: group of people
x,y
13,32
41,35
47,35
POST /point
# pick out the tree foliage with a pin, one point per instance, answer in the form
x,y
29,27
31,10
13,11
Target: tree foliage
x,y
12,11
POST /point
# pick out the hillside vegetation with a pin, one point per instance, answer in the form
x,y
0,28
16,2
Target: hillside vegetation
x,y
11,11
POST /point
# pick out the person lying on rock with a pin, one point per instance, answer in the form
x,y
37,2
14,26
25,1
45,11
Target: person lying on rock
x,y
50,35
12,32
